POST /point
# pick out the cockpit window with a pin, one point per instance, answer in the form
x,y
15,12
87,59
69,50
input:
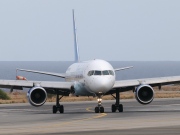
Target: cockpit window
x,y
97,73
106,72
90,73
111,72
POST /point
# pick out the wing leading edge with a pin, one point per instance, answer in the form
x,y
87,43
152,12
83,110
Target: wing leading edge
x,y
124,68
129,84
29,84
62,75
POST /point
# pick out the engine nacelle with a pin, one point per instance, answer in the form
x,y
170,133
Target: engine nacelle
x,y
37,96
144,94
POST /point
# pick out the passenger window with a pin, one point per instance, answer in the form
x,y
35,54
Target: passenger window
x,y
111,72
90,73
97,73
106,72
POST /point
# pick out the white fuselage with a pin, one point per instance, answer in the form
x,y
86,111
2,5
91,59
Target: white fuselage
x,y
91,77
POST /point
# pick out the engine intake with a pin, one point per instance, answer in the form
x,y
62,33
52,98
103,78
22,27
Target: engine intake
x,y
144,94
37,96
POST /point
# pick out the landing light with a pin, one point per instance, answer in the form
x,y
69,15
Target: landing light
x,y
99,100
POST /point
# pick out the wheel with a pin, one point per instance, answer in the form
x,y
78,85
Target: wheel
x,y
120,108
54,109
96,109
113,108
61,109
101,109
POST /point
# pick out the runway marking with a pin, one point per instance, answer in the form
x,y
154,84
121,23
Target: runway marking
x,y
127,123
42,128
89,109
84,119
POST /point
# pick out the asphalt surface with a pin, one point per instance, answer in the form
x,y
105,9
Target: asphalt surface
x,y
160,117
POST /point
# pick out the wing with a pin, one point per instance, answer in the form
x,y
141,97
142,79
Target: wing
x,y
126,85
19,84
42,72
124,68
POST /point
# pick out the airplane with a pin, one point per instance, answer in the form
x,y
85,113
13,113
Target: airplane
x,y
88,78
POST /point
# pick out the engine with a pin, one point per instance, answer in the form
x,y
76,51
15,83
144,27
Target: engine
x,y
37,96
144,94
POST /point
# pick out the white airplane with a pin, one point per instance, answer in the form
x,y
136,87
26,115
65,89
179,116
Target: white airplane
x,y
89,78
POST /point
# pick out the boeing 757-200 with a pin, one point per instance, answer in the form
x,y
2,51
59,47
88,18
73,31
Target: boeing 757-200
x,y
89,78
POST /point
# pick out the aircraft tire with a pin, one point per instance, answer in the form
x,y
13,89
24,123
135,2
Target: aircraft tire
x,y
96,109
113,108
54,109
120,108
61,109
101,109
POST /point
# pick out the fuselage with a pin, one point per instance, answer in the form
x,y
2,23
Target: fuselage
x,y
91,77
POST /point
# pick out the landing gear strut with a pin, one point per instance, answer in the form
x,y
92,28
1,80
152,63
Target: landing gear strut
x,y
58,107
99,108
117,105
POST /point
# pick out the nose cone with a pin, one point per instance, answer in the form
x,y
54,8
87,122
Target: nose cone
x,y
101,84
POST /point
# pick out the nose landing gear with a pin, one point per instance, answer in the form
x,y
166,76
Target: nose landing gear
x,y
99,108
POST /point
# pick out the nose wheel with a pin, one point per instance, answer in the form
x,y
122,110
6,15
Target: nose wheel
x,y
99,108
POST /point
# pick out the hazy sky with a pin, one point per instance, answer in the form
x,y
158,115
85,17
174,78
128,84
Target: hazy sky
x,y
125,30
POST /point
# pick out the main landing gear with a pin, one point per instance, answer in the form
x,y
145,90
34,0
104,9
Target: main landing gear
x,y
117,105
58,107
99,108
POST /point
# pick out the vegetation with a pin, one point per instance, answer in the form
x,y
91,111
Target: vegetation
x,y
172,91
50,96
3,95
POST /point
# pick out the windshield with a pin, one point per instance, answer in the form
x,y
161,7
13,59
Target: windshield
x,y
111,72
106,72
90,73
97,72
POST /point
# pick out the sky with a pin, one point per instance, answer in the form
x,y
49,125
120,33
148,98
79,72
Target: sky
x,y
113,30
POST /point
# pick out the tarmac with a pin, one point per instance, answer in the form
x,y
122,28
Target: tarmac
x,y
160,117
